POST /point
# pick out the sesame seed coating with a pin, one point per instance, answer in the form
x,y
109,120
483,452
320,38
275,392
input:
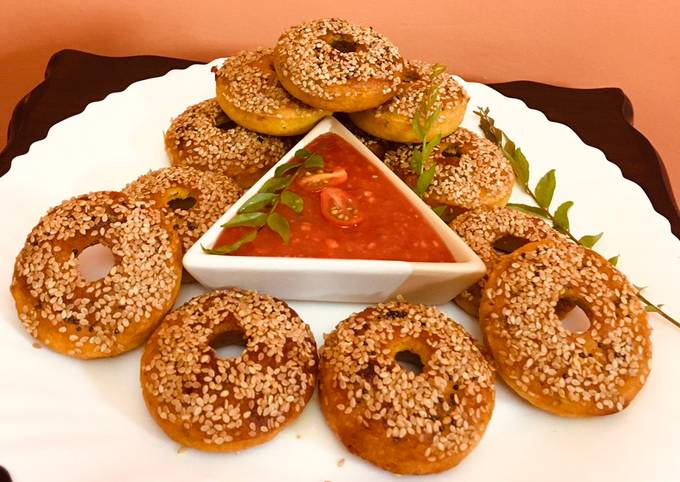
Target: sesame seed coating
x,y
251,84
217,404
196,139
414,86
400,421
470,171
110,315
319,56
594,372
213,194
393,120
481,228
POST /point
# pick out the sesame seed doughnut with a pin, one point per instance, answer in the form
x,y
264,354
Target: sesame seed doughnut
x,y
204,137
487,230
393,119
388,415
574,374
376,145
220,405
333,65
111,315
252,96
471,172
191,200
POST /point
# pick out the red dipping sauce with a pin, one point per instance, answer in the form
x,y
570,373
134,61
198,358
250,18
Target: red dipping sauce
x,y
389,227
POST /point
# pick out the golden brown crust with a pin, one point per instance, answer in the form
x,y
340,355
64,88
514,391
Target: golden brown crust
x,y
208,194
393,119
481,228
471,172
376,145
222,405
249,92
336,66
106,317
204,137
395,419
595,372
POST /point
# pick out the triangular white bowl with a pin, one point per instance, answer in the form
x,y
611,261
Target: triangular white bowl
x,y
352,280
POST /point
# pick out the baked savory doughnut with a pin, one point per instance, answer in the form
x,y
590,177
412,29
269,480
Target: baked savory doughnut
x,y
336,66
471,172
491,233
210,403
376,145
192,200
594,372
205,138
111,315
405,422
250,94
393,120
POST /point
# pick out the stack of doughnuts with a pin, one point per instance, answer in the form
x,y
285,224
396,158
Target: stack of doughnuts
x,y
331,66
405,420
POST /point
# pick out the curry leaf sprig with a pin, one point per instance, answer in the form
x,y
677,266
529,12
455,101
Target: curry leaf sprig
x,y
260,210
542,196
423,120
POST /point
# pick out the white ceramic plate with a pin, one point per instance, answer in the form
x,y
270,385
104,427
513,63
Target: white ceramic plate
x,y
64,419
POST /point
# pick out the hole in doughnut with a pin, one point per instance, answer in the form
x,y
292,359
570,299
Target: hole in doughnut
x,y
409,361
225,124
449,154
341,42
573,315
229,344
508,243
95,262
182,203
411,75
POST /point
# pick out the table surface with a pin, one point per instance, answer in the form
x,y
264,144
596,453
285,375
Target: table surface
x,y
601,117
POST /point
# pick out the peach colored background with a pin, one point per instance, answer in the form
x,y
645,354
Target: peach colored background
x,y
629,44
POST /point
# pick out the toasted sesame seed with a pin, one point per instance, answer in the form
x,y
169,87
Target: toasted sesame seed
x,y
367,384
195,139
213,194
470,171
230,399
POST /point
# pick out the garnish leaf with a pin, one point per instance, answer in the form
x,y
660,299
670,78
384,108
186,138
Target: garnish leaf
x,y
417,161
302,153
417,126
279,225
510,147
521,167
293,201
314,161
561,217
429,146
275,184
230,248
653,309
253,220
528,209
589,240
257,202
425,179
545,189
284,168
614,260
